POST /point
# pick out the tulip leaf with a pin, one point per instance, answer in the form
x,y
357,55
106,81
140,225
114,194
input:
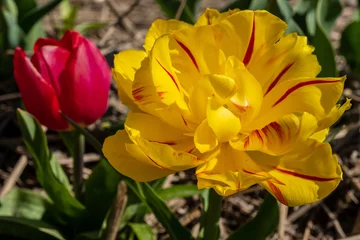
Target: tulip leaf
x,y
240,4
85,27
210,216
323,48
263,224
24,203
33,35
170,8
178,191
142,231
327,12
9,14
101,187
28,229
163,213
48,171
35,14
350,46
25,6
283,10
89,138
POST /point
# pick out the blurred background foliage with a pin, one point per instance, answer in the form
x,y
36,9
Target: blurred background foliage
x,y
57,214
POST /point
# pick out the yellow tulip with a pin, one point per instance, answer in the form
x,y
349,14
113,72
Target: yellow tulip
x,y
234,97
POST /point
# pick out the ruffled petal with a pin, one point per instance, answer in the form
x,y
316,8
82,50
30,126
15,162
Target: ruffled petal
x,y
289,58
278,137
222,121
334,115
130,160
153,129
161,27
213,16
245,34
308,174
126,63
247,101
229,172
205,138
316,96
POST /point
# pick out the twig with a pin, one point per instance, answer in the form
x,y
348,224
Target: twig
x,y
334,220
283,209
116,212
180,9
355,237
15,175
88,157
9,96
295,215
309,225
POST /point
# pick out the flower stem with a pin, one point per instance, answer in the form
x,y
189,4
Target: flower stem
x,y
212,216
79,149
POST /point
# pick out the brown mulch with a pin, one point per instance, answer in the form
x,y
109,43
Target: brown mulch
x,y
126,23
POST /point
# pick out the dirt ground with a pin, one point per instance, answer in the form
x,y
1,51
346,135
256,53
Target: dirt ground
x,y
126,23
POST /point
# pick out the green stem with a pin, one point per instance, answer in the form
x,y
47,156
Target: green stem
x,y
79,149
212,216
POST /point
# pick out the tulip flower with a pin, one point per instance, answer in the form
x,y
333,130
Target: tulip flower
x,y
233,97
69,76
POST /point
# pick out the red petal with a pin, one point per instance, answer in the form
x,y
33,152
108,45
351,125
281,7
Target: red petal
x,y
85,84
41,42
50,61
71,40
38,95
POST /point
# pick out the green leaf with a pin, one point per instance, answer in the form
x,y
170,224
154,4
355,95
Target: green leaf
x,y
101,187
9,14
240,4
142,231
28,229
35,14
89,138
178,191
283,10
350,46
85,27
323,49
328,11
24,203
33,35
25,6
262,225
258,4
170,7
48,171
210,216
164,214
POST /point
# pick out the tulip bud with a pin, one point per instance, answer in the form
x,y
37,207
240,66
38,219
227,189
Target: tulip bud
x,y
69,76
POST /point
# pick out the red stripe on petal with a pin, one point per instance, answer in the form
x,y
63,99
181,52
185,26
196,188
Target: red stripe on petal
x,y
170,75
272,85
170,143
250,48
188,52
152,160
303,176
277,192
299,85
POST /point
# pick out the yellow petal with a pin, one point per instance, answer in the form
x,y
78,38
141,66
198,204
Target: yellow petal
x,y
224,87
163,76
205,138
334,115
246,34
222,121
278,137
316,96
289,58
154,129
125,65
321,135
199,41
161,27
229,172
130,160
247,101
212,16
305,176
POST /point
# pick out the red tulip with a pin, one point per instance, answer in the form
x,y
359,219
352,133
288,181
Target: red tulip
x,y
69,76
